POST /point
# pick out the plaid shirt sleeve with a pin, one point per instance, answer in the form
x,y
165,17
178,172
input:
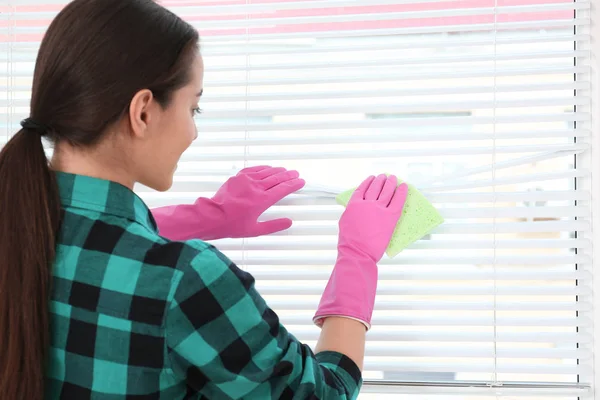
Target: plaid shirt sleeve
x,y
227,343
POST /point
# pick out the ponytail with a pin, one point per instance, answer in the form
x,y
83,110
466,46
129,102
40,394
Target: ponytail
x,y
29,221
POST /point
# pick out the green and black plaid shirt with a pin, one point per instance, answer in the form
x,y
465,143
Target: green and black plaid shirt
x,y
136,316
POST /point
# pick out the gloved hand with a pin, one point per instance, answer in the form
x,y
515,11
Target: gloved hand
x,y
366,227
234,210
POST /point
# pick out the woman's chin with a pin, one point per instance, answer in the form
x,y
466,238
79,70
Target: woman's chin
x,y
160,185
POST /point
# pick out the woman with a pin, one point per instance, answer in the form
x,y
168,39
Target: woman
x,y
94,303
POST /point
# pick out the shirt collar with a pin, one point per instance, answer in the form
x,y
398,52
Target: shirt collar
x,y
103,196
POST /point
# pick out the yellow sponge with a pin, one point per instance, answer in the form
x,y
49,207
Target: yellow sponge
x,y
419,217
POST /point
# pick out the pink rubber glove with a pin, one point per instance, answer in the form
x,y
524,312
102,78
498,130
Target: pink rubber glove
x,y
366,227
234,210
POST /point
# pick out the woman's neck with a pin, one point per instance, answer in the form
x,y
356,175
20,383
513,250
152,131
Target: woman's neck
x,y
98,162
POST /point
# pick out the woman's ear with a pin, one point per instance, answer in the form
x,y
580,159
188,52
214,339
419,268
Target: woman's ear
x,y
140,112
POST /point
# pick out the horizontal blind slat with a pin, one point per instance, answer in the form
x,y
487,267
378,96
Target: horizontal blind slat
x,y
381,138
477,351
445,321
250,9
201,154
362,17
396,123
446,305
463,228
427,260
471,28
427,274
398,61
223,49
377,334
439,74
464,366
500,212
330,243
385,288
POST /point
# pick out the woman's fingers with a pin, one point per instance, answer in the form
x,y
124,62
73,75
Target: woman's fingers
x,y
399,198
359,193
375,189
389,187
270,182
256,168
284,189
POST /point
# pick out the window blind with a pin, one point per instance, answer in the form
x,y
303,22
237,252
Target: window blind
x,y
483,105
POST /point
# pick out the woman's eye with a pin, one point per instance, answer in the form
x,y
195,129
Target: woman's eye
x,y
197,111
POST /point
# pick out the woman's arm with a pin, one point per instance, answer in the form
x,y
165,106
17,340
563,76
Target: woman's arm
x,y
343,335
227,343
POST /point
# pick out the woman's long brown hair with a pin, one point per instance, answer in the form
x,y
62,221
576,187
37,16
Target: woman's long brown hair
x,y
94,57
